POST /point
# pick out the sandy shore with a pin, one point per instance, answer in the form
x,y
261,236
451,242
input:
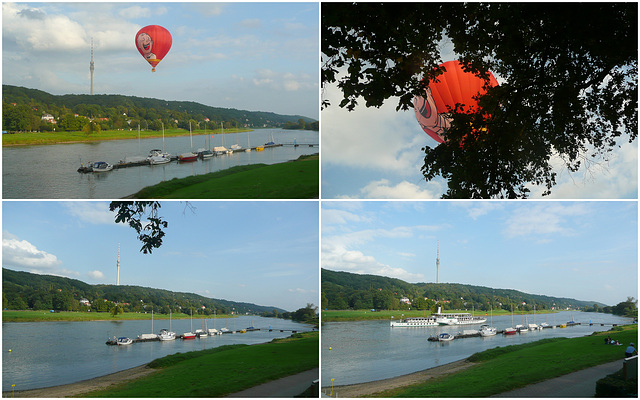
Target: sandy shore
x,y
369,388
83,387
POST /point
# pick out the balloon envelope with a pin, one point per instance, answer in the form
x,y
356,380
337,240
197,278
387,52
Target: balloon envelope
x,y
153,42
453,86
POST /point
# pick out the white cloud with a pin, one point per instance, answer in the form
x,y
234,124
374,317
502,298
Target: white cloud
x,y
91,212
384,189
477,209
95,275
546,219
21,254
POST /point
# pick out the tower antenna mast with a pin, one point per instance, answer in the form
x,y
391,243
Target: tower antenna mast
x,y
91,66
438,263
118,275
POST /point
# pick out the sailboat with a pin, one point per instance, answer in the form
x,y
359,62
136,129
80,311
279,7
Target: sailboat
x,y
486,330
511,331
149,336
236,147
248,149
191,156
190,334
167,334
157,156
213,331
220,150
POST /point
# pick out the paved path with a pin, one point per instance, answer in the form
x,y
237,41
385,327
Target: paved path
x,y
576,384
289,386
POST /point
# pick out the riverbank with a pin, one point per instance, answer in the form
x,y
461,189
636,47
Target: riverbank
x,y
298,179
207,373
502,369
46,138
47,316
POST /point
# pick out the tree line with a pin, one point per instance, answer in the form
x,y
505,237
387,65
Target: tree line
x,y
23,291
23,109
343,290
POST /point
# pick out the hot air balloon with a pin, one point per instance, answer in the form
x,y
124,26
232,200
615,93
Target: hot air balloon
x,y
153,42
453,86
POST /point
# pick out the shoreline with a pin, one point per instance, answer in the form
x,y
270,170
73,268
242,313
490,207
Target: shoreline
x,y
77,389
372,387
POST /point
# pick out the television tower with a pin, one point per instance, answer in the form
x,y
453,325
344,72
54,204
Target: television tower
x,y
91,66
118,275
438,263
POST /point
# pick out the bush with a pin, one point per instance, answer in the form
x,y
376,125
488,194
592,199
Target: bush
x,y
614,385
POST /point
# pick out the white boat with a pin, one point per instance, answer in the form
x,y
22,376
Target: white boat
x,y
533,327
204,153
166,335
235,147
101,166
190,334
220,150
522,329
123,341
158,157
510,331
414,322
486,330
225,330
457,318
213,332
445,337
201,333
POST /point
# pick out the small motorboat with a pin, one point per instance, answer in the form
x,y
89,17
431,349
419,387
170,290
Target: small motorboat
x,y
188,335
166,335
214,332
445,337
188,157
201,333
486,330
204,153
510,331
123,341
101,166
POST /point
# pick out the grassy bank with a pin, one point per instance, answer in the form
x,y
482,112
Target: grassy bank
x,y
361,315
41,315
223,370
511,367
40,138
290,180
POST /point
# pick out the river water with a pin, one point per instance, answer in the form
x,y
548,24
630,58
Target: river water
x,y
50,171
47,354
365,351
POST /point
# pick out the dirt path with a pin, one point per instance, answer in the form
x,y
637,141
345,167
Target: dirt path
x,y
83,387
369,388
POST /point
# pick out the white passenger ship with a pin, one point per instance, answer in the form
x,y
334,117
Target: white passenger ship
x,y
457,318
439,318
414,322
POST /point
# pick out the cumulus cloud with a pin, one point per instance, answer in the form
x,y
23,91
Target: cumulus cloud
x,y
545,219
384,189
92,212
95,275
22,255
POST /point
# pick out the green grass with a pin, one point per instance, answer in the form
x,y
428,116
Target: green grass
x,y
43,315
40,138
361,315
511,367
290,180
223,370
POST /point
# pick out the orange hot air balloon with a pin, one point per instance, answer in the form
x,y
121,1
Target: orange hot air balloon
x,y
153,42
453,86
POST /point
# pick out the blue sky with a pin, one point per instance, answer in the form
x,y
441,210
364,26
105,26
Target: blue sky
x,y
376,153
258,252
248,56
584,250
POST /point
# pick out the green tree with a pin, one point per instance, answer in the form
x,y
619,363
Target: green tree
x,y
133,212
92,127
569,82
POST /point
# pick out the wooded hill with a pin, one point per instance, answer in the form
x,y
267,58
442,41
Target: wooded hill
x,y
344,290
24,108
24,290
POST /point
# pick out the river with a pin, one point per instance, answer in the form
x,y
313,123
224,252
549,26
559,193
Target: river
x,y
50,171
365,351
45,354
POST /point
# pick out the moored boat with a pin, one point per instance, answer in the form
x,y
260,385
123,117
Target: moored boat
x,y
213,332
123,341
188,157
188,335
101,166
166,335
486,330
201,333
204,153
510,331
445,337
